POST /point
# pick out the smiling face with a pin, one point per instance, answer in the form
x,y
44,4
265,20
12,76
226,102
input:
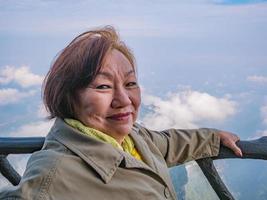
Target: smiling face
x,y
110,102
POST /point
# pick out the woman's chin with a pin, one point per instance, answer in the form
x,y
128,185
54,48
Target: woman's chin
x,y
124,130
121,127
120,131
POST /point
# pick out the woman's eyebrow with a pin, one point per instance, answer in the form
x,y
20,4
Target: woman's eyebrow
x,y
129,73
110,75
105,74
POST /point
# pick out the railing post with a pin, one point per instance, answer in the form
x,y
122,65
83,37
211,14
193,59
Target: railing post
x,y
209,170
8,171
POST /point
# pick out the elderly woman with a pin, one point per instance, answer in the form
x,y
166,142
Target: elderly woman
x,y
96,150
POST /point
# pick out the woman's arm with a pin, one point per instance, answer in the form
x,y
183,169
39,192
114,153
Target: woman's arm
x,y
178,146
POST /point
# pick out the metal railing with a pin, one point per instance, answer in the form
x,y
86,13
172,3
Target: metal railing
x,y
253,149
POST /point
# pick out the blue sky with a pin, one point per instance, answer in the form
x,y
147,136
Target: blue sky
x,y
202,61
238,2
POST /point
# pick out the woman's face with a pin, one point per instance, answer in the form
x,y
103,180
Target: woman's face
x,y
110,103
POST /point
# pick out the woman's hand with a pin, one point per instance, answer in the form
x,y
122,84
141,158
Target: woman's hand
x,y
229,140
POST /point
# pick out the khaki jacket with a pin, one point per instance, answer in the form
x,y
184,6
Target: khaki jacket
x,y
73,166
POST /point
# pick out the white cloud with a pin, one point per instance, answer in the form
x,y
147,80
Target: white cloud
x,y
11,95
186,109
21,75
39,128
257,79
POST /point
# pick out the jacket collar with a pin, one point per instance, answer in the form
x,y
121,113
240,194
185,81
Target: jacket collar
x,y
103,157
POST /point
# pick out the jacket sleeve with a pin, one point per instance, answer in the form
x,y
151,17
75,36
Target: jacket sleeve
x,y
179,146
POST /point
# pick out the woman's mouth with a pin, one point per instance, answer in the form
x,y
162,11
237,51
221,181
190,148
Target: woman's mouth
x,y
120,116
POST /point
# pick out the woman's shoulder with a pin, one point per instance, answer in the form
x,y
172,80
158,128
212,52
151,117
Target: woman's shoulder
x,y
148,133
39,174
42,166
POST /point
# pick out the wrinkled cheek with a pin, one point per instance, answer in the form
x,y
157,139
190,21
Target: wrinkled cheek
x,y
89,112
93,112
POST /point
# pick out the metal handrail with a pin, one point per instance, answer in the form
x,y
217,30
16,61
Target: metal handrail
x,y
253,149
20,145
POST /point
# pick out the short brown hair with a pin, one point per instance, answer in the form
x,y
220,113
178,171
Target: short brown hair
x,y
76,66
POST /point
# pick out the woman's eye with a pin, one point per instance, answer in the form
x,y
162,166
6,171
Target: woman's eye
x,y
102,87
131,84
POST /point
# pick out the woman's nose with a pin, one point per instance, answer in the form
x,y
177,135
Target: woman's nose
x,y
120,98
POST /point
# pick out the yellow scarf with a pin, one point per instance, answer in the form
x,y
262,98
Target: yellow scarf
x,y
127,144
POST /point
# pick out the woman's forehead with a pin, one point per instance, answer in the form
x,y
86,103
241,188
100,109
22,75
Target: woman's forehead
x,y
116,56
116,63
